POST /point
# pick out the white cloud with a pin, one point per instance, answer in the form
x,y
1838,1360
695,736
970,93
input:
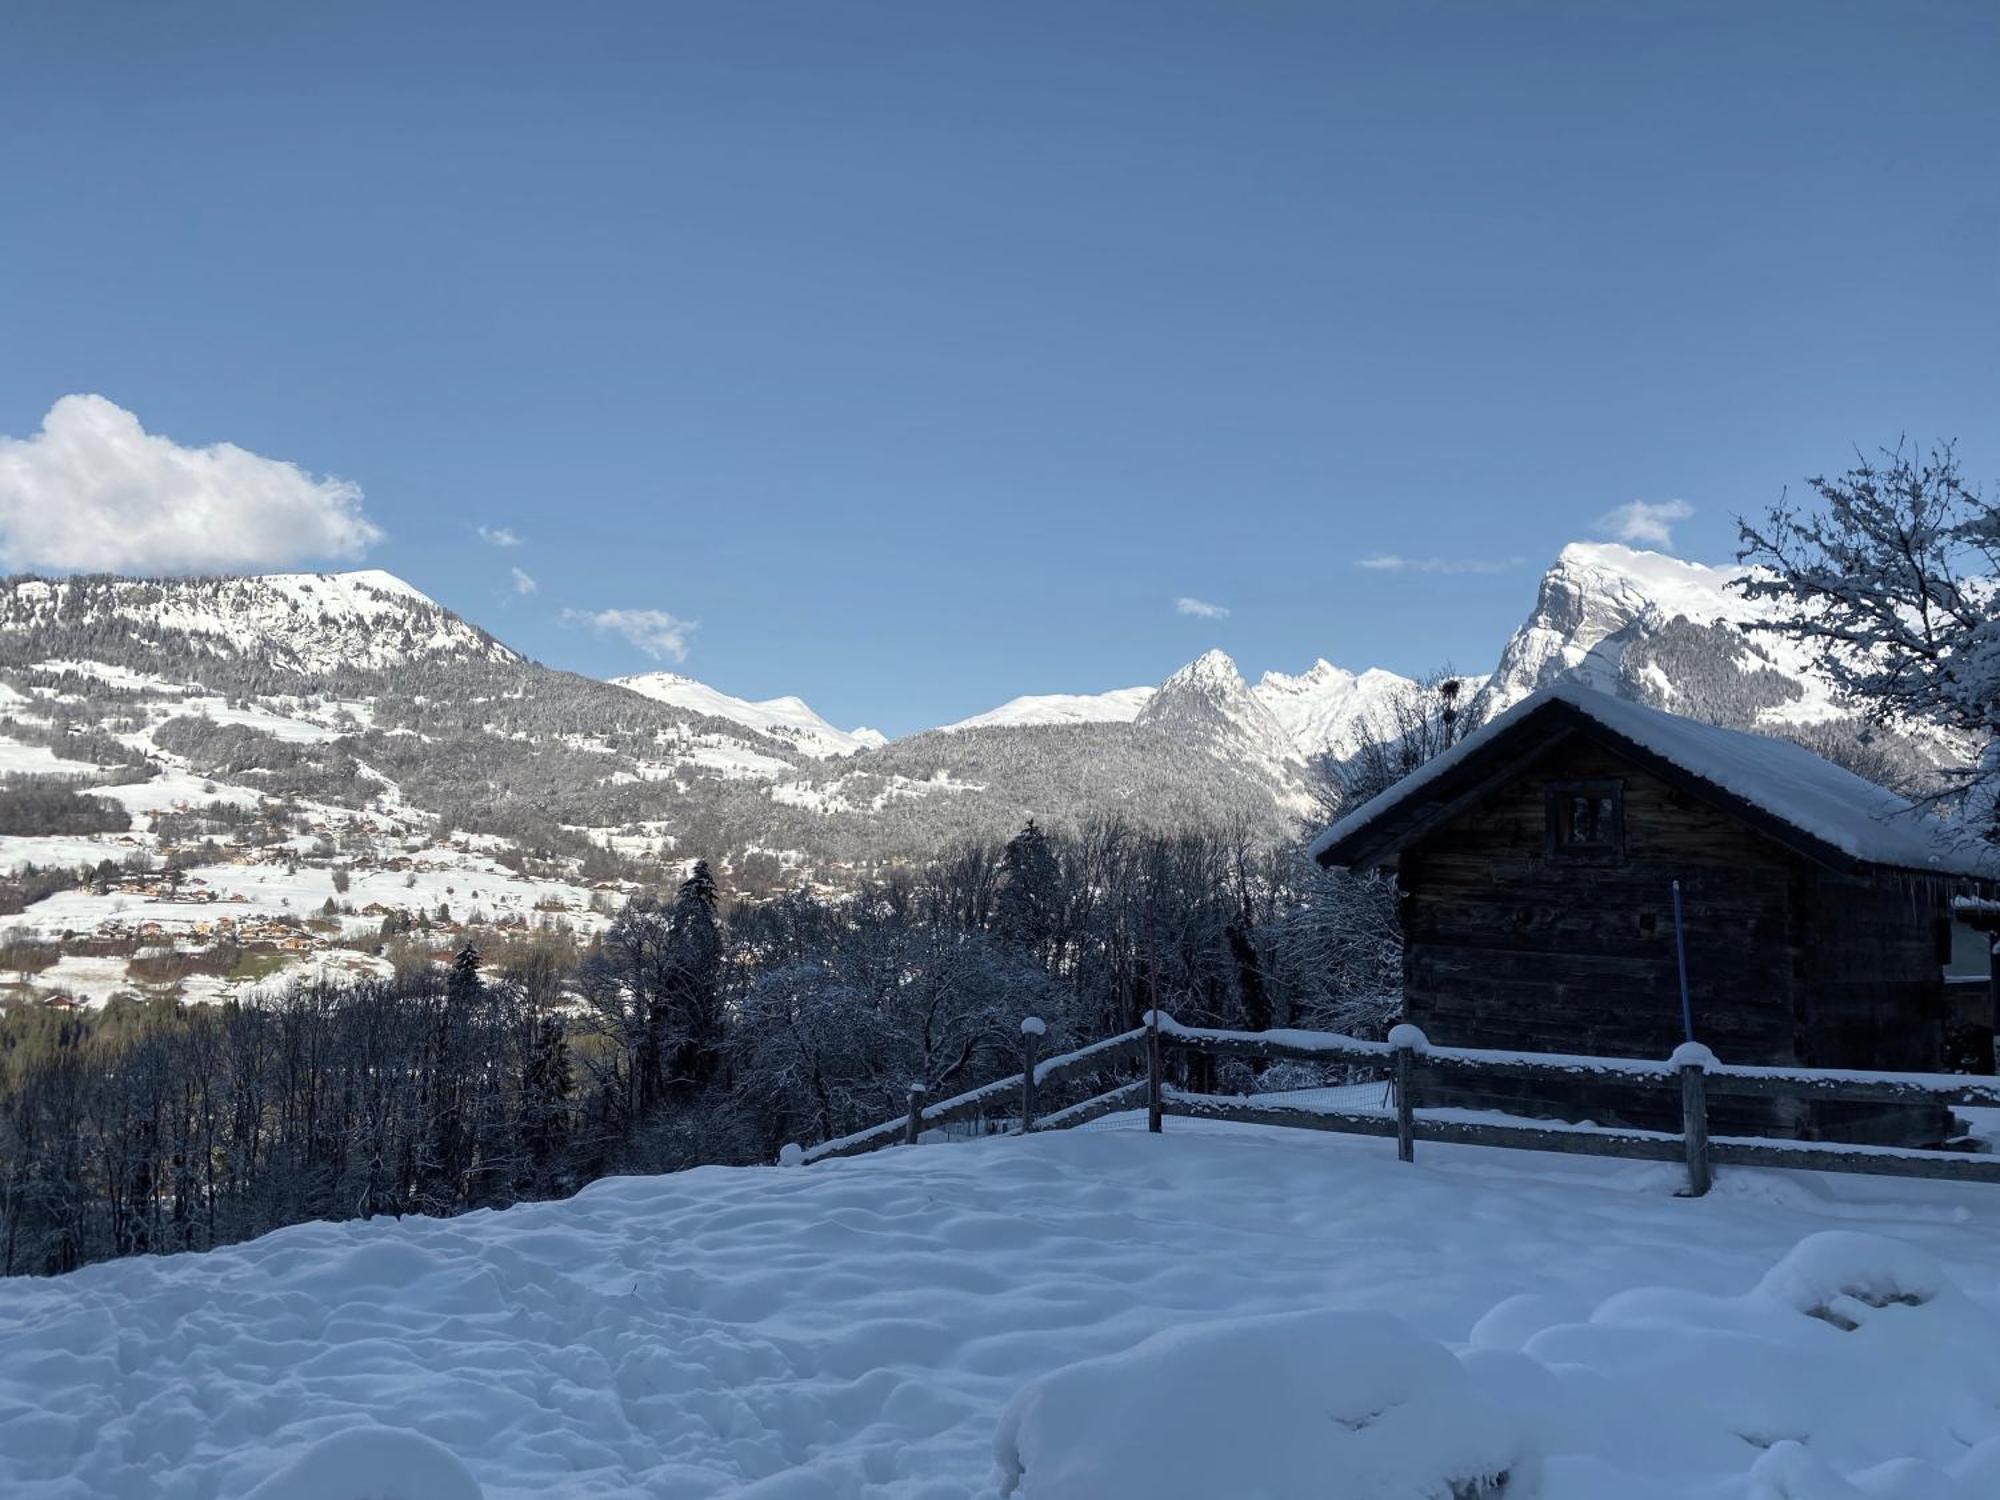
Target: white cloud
x,y
654,631
1391,562
1645,522
94,490
499,536
523,584
1200,608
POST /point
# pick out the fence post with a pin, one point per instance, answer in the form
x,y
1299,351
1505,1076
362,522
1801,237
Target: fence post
x,y
1408,1041
914,1127
1694,1060
1033,1028
1154,1070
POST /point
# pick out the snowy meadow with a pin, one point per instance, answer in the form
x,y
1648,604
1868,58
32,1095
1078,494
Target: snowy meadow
x,y
1220,1311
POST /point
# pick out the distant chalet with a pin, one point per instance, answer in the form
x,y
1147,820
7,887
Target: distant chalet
x,y
1537,859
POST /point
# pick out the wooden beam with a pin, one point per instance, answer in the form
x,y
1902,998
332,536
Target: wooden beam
x,y
1947,1166
1125,1096
1406,1104
1694,1129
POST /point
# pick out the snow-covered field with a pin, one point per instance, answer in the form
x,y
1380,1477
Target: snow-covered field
x,y
1220,1313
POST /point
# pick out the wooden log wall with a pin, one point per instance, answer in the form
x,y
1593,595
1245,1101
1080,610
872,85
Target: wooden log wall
x,y
1508,946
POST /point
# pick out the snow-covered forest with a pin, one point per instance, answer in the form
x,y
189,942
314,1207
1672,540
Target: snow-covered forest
x,y
695,1028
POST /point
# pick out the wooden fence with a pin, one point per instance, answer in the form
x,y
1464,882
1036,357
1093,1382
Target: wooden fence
x,y
1037,1076
1408,1062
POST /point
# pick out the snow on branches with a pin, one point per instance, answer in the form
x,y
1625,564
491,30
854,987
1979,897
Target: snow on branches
x,y
1893,579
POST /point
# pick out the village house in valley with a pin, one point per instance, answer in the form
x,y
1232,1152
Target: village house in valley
x,y
1538,860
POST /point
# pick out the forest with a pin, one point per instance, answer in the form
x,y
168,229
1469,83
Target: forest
x,y
698,1028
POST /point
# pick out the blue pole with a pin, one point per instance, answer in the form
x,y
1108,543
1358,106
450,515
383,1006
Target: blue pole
x,y
1681,957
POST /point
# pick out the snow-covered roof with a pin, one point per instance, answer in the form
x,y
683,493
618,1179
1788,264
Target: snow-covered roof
x,y
1818,800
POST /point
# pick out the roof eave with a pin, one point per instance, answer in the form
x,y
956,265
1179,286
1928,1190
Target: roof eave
x,y
1384,837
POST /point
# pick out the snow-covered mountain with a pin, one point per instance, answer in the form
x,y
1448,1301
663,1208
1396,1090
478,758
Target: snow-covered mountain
x,y
1672,633
1208,704
261,733
786,718
1328,710
1323,710
1119,706
300,623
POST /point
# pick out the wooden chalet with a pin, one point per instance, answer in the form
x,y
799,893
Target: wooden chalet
x,y
1537,861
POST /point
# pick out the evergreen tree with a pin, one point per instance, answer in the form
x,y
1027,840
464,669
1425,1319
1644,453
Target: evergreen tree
x,y
694,989
1026,911
465,987
545,1108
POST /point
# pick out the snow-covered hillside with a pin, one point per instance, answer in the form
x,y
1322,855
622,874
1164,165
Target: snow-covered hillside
x,y
1215,1312
1119,706
306,623
786,718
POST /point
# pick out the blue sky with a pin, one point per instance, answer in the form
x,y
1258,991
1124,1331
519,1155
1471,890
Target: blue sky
x,y
926,354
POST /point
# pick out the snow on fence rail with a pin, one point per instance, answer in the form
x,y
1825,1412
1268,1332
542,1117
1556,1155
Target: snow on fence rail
x,y
1693,1071
1035,1075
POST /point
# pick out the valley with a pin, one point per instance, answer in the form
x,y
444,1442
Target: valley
x,y
212,785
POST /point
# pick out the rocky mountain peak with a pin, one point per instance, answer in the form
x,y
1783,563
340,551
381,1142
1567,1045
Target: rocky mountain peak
x,y
1208,704
1658,629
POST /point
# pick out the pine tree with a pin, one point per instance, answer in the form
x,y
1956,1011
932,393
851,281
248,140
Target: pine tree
x,y
1026,909
465,987
694,984
545,1106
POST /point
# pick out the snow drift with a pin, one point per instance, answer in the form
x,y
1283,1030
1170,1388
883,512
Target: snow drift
x,y
1231,1313
1266,1407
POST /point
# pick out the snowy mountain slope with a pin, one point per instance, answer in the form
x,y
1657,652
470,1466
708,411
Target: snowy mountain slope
x,y
303,623
1328,710
1323,710
1119,706
1207,703
377,728
312,756
786,718
1679,636
981,1319
1201,748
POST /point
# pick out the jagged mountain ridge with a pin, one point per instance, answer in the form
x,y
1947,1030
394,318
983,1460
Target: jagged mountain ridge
x,y
1207,703
1328,710
1323,710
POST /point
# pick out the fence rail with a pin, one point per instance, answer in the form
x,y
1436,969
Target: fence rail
x,y
1412,1064
1036,1075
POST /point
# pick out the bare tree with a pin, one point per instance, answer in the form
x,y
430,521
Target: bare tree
x,y
1421,721
1893,581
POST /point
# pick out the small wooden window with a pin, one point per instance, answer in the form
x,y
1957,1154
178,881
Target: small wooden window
x,y
1586,819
